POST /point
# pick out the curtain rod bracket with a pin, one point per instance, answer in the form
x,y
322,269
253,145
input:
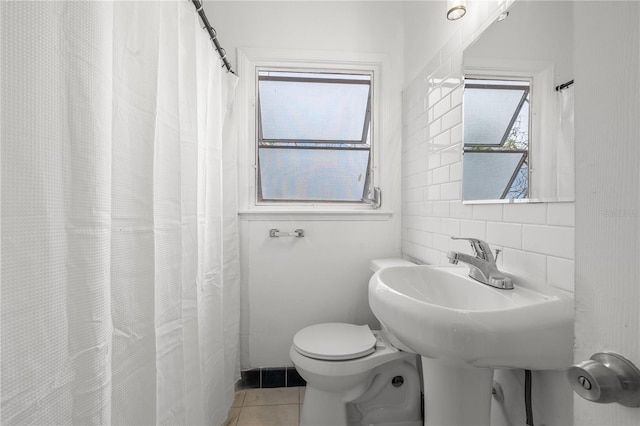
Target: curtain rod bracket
x,y
564,86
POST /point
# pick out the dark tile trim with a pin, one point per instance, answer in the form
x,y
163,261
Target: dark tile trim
x,y
270,378
273,377
294,379
249,379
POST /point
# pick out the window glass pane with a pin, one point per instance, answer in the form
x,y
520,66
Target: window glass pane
x,y
520,186
488,113
487,175
313,174
519,133
313,110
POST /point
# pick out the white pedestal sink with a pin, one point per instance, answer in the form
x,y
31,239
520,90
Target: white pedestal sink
x,y
464,329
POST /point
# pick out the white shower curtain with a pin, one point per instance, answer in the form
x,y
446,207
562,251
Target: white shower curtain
x,y
120,277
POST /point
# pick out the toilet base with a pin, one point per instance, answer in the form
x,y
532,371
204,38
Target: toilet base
x,y
391,397
318,414
327,408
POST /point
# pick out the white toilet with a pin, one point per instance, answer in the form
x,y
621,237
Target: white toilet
x,y
355,376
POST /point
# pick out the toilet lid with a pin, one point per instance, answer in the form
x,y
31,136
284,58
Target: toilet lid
x,y
335,341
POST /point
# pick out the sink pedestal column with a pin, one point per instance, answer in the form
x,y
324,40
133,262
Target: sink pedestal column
x,y
456,396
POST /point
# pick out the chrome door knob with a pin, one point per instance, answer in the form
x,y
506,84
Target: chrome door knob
x,y
607,377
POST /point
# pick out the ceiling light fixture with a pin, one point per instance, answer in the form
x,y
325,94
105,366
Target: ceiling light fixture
x,y
456,9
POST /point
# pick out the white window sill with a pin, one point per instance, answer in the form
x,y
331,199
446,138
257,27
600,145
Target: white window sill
x,y
314,214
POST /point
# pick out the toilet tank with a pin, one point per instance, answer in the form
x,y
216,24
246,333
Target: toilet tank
x,y
378,264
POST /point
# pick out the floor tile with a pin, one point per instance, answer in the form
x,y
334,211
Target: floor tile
x,y
232,418
238,399
273,396
270,415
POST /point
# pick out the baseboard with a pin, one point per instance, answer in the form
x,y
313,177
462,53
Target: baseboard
x,y
278,377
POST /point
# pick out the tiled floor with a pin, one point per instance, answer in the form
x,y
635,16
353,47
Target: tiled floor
x,y
266,407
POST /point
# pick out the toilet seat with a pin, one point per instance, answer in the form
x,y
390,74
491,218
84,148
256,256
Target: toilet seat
x,y
335,341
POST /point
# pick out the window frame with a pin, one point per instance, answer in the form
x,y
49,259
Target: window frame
x,y
542,110
357,145
249,61
493,80
525,97
367,120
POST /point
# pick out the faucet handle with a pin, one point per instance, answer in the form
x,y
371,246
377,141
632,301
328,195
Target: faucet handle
x,y
480,248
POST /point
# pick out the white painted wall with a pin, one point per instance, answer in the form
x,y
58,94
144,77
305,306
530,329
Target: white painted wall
x,y
290,283
537,239
607,53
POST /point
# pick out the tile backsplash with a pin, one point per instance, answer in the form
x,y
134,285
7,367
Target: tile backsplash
x,y
536,239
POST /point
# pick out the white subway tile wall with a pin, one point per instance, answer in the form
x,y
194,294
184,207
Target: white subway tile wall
x,y
537,239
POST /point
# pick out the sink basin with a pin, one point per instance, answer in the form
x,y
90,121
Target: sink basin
x,y
442,314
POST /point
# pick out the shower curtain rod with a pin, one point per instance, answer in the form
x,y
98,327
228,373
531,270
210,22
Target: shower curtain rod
x,y
198,4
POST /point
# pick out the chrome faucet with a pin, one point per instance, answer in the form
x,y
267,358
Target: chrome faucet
x,y
482,266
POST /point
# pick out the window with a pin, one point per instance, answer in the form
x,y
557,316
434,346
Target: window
x,y
314,138
496,139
